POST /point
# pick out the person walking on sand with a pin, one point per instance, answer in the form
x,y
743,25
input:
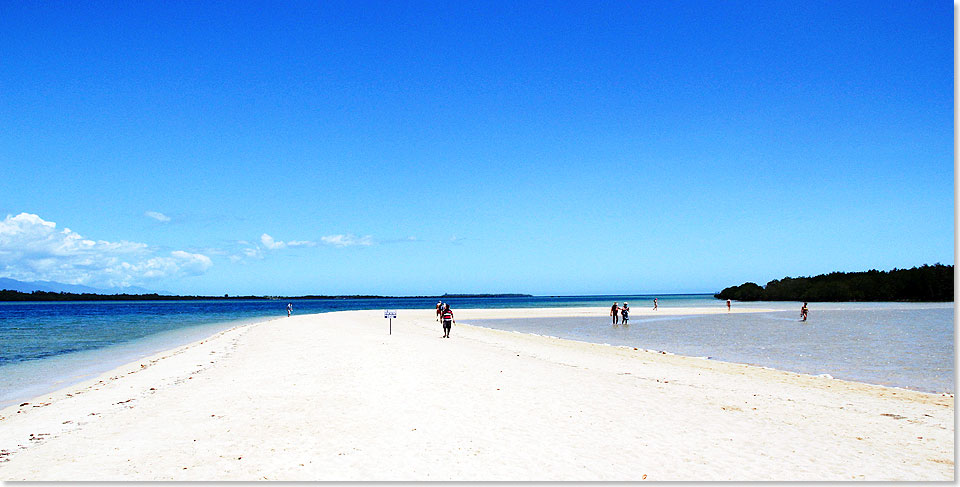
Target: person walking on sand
x,y
625,312
615,312
447,320
654,304
803,312
728,305
289,309
439,309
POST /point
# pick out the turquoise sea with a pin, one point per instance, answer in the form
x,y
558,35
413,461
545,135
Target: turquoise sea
x,y
48,345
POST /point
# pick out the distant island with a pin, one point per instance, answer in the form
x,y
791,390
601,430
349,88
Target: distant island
x,y
11,295
484,296
925,283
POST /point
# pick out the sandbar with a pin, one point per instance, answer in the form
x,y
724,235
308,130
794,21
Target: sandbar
x,y
334,397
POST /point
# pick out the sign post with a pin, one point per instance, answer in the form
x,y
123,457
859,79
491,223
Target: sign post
x,y
390,314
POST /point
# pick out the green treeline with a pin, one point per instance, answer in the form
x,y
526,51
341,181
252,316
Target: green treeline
x,y
926,283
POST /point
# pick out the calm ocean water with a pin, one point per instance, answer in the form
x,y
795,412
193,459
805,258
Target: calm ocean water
x,y
908,345
45,346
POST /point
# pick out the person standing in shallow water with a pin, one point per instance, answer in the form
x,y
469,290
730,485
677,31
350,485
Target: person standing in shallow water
x,y
447,321
803,312
728,305
615,312
654,304
625,312
289,309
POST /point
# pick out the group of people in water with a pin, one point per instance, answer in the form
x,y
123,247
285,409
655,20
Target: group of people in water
x,y
617,312
621,314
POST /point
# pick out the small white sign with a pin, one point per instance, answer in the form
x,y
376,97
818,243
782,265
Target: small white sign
x,y
389,314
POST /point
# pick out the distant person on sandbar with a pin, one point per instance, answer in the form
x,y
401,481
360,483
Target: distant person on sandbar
x,y
625,312
728,305
439,309
654,303
803,312
447,320
615,312
289,309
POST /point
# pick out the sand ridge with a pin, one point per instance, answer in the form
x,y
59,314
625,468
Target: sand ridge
x,y
333,397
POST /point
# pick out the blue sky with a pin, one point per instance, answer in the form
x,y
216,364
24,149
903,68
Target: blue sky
x,y
410,148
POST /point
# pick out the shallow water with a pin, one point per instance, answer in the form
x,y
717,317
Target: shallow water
x,y
892,344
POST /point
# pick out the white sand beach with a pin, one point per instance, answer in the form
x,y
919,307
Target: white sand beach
x,y
334,397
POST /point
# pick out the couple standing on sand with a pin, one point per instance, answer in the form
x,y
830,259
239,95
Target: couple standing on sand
x,y
617,311
445,316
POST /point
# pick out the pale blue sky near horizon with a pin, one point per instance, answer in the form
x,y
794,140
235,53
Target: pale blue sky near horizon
x,y
414,148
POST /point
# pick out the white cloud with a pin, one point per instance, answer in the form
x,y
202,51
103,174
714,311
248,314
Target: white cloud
x,y
191,264
256,251
270,243
301,243
253,252
156,215
347,240
267,243
33,249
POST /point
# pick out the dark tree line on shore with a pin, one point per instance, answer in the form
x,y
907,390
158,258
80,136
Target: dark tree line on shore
x,y
8,295
925,283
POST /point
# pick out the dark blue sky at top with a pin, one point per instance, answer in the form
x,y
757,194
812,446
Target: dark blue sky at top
x,y
531,147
